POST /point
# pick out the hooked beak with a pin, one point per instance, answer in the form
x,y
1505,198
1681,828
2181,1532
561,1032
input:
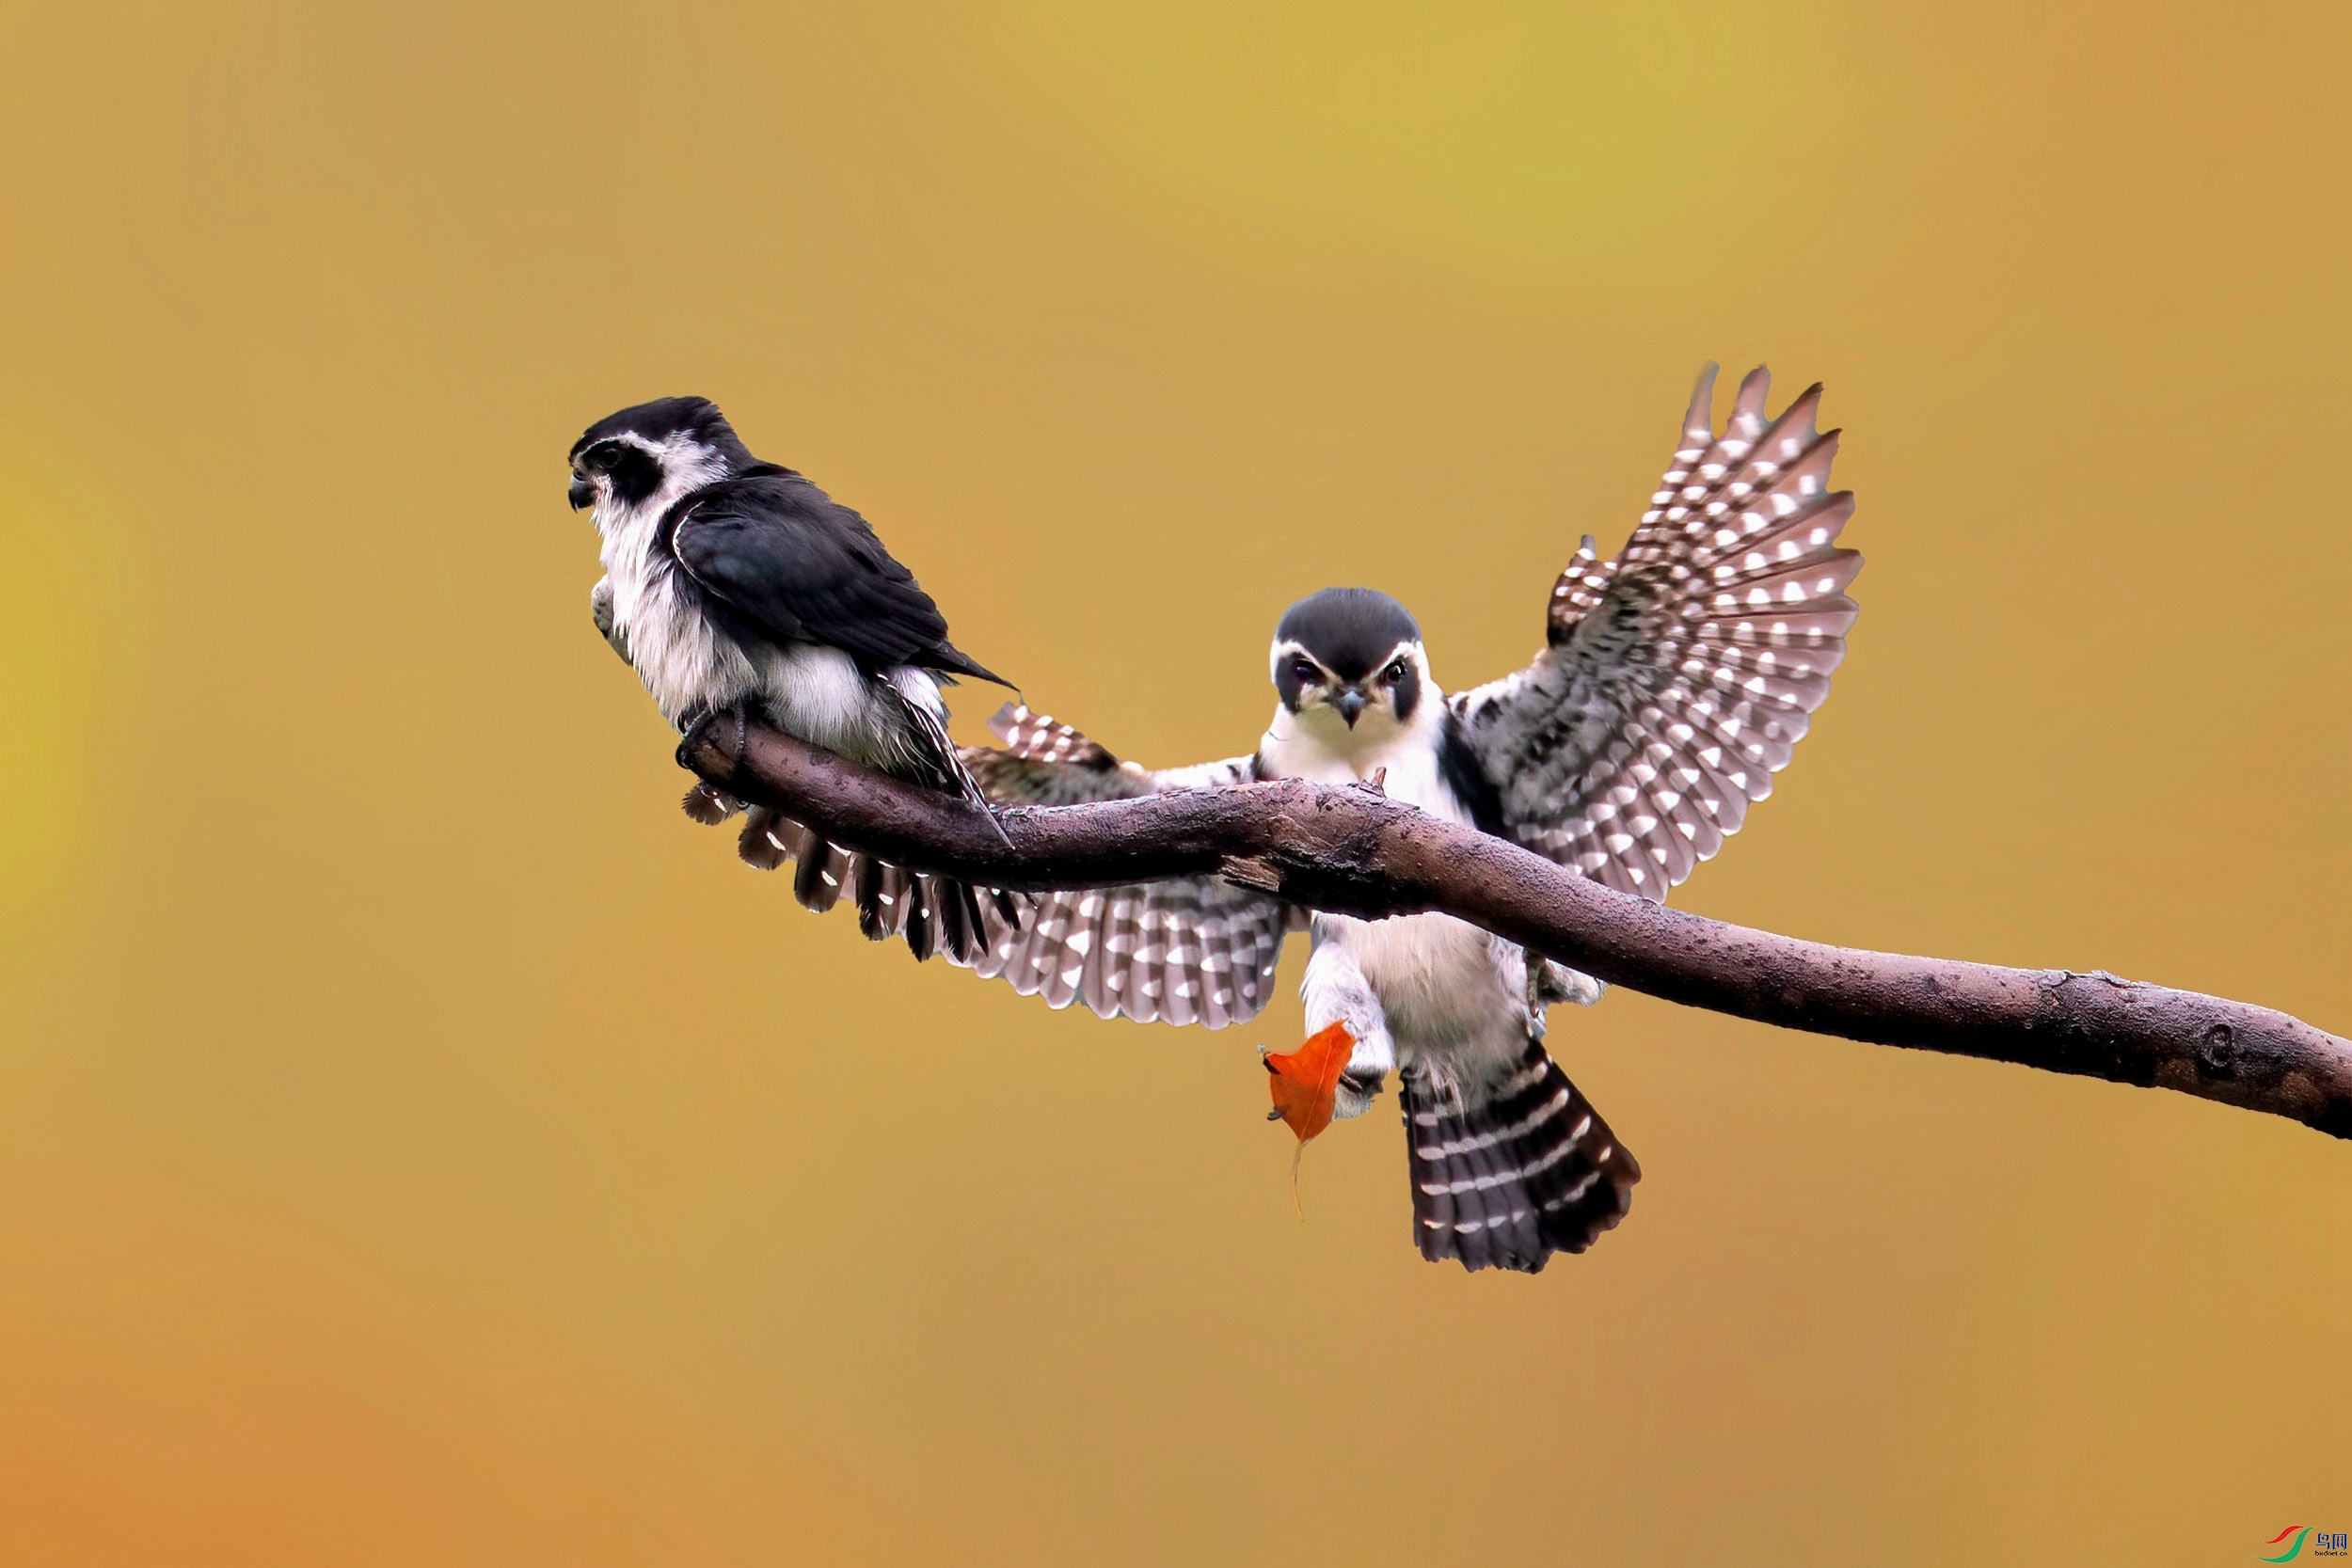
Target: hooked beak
x,y
582,494
1351,706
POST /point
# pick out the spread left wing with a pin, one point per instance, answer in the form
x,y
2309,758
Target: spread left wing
x,y
1678,677
1190,950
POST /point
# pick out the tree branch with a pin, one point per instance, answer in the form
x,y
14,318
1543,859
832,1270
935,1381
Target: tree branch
x,y
1354,851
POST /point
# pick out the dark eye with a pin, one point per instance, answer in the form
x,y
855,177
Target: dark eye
x,y
1302,671
1395,673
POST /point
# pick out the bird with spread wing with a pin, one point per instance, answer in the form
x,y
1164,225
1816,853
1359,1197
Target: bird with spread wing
x,y
1674,681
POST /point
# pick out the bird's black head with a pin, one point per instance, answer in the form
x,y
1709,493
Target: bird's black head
x,y
624,458
1350,652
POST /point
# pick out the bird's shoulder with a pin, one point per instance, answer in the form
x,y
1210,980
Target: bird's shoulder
x,y
1465,773
779,499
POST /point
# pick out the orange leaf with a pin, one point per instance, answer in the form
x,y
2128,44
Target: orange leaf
x,y
1306,1081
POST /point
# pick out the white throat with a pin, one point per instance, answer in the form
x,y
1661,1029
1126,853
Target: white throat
x,y
628,530
1316,743
682,663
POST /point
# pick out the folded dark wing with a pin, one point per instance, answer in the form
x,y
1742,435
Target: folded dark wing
x,y
1680,675
795,565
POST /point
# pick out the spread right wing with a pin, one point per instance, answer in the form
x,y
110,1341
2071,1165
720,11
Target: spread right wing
x,y
1678,677
1190,950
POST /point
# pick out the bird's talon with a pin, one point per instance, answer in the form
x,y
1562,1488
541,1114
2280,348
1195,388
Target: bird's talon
x,y
690,727
1355,1092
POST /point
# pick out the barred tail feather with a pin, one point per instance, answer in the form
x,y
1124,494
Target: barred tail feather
x,y
931,914
1508,1179
709,806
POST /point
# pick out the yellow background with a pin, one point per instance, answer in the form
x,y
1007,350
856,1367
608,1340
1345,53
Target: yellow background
x,y
418,1142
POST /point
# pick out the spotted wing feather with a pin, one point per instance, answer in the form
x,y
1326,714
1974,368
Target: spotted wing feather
x,y
1042,737
1194,950
1678,677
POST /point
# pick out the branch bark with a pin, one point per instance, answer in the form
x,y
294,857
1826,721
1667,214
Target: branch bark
x,y
1354,851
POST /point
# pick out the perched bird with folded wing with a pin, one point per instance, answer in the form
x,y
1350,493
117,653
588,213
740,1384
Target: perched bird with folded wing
x,y
737,587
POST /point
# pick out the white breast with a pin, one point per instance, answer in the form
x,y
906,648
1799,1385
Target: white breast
x,y
1443,987
1441,983
681,657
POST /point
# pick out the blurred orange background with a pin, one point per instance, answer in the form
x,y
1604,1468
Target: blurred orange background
x,y
418,1142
